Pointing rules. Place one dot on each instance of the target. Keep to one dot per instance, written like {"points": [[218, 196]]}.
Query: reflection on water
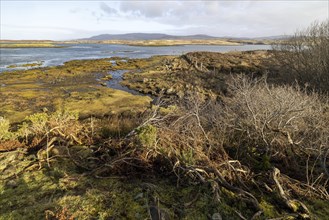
{"points": [[114, 83], [57, 56]]}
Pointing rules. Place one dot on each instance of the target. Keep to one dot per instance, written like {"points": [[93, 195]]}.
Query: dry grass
{"points": [[28, 45]]}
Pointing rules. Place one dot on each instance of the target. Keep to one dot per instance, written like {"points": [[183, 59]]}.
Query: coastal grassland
{"points": [[29, 45], [200, 71], [74, 85]]}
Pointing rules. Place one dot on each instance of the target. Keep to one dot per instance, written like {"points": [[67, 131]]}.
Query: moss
{"points": [[27, 192], [28, 197], [268, 209], [63, 190]]}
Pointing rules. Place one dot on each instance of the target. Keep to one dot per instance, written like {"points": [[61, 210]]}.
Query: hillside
{"points": [[147, 36]]}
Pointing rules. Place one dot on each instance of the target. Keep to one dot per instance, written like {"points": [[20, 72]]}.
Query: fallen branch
{"points": [[294, 205]]}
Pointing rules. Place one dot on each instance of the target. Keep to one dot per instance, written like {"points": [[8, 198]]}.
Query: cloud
{"points": [[107, 9], [217, 18], [147, 9], [75, 10], [235, 17]]}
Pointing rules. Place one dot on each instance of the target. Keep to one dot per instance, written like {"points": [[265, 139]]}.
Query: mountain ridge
{"points": [[148, 36], [159, 36]]}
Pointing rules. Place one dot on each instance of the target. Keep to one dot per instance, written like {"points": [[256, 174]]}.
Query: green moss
{"points": [[27, 197], [63, 190], [268, 209]]}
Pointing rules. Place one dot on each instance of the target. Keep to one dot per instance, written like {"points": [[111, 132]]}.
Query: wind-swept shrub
{"points": [[282, 124], [305, 56], [38, 123], [41, 129]]}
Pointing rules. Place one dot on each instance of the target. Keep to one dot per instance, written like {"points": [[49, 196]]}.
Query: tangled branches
{"points": [[230, 143]]}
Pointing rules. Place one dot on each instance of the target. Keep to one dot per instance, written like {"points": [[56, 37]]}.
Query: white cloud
{"points": [[231, 17], [107, 9], [217, 18]]}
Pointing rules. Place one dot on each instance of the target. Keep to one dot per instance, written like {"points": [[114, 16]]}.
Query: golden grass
{"points": [[28, 45]]}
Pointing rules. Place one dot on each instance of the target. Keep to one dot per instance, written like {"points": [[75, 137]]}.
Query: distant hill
{"points": [[277, 37], [147, 36]]}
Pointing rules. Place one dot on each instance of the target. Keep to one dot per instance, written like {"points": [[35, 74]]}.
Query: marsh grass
{"points": [[29, 45]]}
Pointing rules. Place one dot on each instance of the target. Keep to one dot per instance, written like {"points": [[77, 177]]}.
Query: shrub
{"points": [[62, 122], [305, 56], [281, 123], [147, 135], [39, 123], [5, 134]]}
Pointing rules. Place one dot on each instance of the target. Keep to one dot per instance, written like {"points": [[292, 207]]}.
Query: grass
{"points": [[69, 86], [34, 64], [29, 45]]}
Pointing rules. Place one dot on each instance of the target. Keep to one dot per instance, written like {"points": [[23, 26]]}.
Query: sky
{"points": [[65, 20]]}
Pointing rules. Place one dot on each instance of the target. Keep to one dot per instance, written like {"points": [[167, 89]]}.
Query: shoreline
{"points": [[142, 43]]}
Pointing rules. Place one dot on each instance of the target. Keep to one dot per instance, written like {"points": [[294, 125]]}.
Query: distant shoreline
{"points": [[29, 45], [144, 43], [180, 42]]}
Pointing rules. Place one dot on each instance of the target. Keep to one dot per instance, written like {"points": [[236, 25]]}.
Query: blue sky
{"points": [[62, 20]]}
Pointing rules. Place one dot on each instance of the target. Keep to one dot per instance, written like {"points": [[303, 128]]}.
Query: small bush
{"points": [[39, 123], [5, 134], [147, 135], [280, 123]]}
